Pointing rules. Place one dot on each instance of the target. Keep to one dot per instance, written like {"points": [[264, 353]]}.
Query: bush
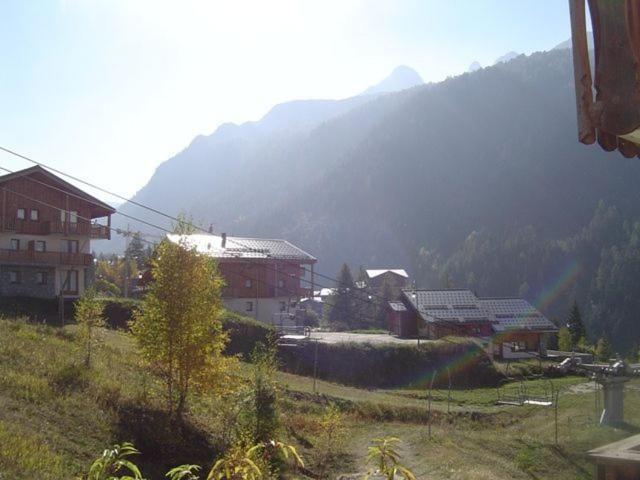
{"points": [[244, 333], [119, 311], [69, 378], [395, 365]]}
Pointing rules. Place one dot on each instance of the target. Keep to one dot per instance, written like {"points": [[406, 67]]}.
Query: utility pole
{"points": [[315, 367], [126, 262]]}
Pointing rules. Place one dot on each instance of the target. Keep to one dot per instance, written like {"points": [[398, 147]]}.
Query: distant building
{"points": [[519, 329], [512, 326], [618, 461], [396, 279], [439, 313], [264, 277], [46, 228]]}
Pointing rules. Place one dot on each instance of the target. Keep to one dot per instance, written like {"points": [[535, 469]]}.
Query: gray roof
{"points": [[243, 248], [446, 305], [373, 273], [398, 306], [515, 314]]}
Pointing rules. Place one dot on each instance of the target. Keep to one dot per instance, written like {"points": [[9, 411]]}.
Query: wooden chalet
{"points": [[265, 278], [46, 229]]}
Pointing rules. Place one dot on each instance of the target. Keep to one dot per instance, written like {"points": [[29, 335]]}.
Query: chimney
{"points": [[224, 240], [210, 228]]}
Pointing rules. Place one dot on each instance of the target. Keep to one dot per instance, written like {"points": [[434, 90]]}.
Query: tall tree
{"points": [[604, 350], [575, 325], [178, 329], [136, 251], [342, 310], [564, 340]]}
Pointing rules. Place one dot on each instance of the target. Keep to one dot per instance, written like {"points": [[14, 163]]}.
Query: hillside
{"points": [[56, 417], [404, 179]]}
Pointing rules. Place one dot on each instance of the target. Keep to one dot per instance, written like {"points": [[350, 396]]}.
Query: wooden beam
{"points": [[582, 72]]}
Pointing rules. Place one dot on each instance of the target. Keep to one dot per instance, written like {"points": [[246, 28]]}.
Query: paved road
{"points": [[341, 337]]}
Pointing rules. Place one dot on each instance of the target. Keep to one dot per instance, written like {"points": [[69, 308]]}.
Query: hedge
{"points": [[244, 333], [394, 365]]}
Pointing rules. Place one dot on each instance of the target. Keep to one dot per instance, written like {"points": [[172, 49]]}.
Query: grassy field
{"points": [[55, 417]]}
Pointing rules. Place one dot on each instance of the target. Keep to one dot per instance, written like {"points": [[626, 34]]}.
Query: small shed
{"points": [[618, 460], [400, 321]]}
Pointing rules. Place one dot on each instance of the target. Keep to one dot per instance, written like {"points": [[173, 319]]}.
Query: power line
{"points": [[139, 204], [256, 278], [179, 220]]}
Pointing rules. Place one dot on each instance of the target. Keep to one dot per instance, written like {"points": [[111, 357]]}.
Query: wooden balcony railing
{"points": [[264, 291], [30, 227], [31, 257]]}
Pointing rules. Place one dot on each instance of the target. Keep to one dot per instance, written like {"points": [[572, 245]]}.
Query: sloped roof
{"points": [[376, 272], [398, 306], [243, 248], [446, 305], [515, 314], [104, 208]]}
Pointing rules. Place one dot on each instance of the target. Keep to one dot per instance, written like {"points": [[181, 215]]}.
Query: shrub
{"points": [[244, 333], [69, 378]]}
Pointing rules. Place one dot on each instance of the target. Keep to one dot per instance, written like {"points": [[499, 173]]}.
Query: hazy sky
{"points": [[110, 89]]}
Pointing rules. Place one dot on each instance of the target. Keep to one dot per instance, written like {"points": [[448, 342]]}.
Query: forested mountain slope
{"points": [[407, 179]]}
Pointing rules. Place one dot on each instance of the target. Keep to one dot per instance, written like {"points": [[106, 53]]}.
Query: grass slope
{"points": [[55, 418]]}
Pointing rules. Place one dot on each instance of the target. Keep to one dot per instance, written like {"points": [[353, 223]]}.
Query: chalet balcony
{"points": [[29, 227], [31, 257], [264, 291]]}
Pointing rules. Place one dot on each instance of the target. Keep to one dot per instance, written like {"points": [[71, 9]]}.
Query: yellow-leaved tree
{"points": [[178, 327]]}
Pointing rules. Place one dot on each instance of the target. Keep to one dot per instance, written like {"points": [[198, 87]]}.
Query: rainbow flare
{"points": [[465, 357]]}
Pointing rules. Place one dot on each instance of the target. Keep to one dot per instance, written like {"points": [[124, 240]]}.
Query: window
{"points": [[69, 246], [283, 306], [14, 276], [280, 283], [34, 214], [247, 283], [70, 281], [20, 214], [15, 244], [249, 307], [41, 246], [41, 278], [71, 216]]}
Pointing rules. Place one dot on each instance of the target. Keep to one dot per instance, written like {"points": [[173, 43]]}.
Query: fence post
{"points": [[430, 388], [557, 394], [315, 367]]}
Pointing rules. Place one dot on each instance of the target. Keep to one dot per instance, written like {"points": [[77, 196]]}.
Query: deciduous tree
{"points": [[89, 316], [178, 329]]}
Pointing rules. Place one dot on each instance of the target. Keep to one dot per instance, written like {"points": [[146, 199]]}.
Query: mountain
{"points": [[401, 78], [479, 180], [506, 57], [567, 43], [474, 66]]}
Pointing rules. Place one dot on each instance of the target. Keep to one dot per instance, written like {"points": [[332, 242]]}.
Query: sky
{"points": [[109, 89]]}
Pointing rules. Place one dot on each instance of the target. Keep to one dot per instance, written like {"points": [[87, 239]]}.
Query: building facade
{"points": [[396, 279], [264, 278], [46, 229]]}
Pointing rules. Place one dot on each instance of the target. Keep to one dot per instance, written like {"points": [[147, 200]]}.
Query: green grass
{"points": [[54, 419]]}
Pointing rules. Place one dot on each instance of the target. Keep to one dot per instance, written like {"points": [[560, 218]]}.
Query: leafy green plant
{"points": [[330, 437], [384, 456], [254, 462], [183, 472], [113, 462]]}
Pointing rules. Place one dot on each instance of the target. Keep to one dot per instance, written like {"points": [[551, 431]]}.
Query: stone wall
{"points": [[28, 286]]}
